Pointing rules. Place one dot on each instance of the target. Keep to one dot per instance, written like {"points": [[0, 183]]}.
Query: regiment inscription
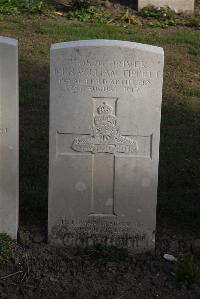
{"points": [[92, 75]]}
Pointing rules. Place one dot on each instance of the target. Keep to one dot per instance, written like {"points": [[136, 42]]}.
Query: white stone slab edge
{"points": [[105, 42], [13, 42], [9, 41]]}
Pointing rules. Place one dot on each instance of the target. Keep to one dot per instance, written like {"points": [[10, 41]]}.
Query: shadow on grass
{"points": [[34, 132], [179, 177], [178, 204]]}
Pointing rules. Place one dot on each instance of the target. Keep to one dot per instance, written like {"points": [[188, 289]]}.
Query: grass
{"points": [[193, 92], [186, 271], [16, 7], [132, 33], [179, 177], [6, 252]]}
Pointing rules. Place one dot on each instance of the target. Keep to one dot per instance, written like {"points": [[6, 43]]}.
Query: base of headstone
{"points": [[184, 6], [107, 231]]}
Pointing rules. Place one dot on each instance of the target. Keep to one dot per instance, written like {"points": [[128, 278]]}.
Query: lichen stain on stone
{"points": [[80, 186], [109, 202]]}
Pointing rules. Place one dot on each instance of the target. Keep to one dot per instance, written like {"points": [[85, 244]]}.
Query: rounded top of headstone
{"points": [[107, 43], [8, 40]]}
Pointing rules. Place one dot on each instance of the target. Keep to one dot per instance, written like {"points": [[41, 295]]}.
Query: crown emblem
{"points": [[104, 109], [105, 136]]}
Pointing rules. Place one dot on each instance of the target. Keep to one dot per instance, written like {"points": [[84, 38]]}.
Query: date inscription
{"points": [[90, 75]]}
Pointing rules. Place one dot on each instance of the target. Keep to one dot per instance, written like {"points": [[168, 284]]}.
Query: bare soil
{"points": [[41, 271]]}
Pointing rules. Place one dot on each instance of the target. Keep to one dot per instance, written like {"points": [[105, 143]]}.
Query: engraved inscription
{"points": [[104, 140], [92, 75], [106, 137], [103, 145], [3, 131], [89, 232]]}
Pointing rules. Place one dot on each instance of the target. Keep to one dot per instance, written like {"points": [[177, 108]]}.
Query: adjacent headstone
{"points": [[105, 109], [186, 6], [9, 136]]}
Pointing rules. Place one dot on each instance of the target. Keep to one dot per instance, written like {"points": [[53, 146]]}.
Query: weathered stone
{"points": [[186, 6], [8, 136], [169, 257], [105, 108]]}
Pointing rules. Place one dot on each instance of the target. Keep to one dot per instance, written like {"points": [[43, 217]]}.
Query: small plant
{"points": [[82, 4], [6, 252], [130, 18], [165, 16], [194, 21], [194, 51], [81, 15], [164, 24], [8, 7], [186, 271], [15, 7], [159, 13], [91, 14]]}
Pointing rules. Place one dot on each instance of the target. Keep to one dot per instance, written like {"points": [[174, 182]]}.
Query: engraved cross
{"points": [[103, 144]]}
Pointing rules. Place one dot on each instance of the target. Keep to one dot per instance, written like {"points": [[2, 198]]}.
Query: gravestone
{"points": [[105, 108], [186, 6], [9, 136]]}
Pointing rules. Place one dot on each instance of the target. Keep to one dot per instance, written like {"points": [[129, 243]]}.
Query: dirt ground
{"points": [[41, 271]]}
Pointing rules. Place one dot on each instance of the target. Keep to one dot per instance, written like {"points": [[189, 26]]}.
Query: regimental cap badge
{"points": [[104, 109]]}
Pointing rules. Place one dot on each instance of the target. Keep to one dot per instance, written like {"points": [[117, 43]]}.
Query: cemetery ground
{"points": [[34, 269]]}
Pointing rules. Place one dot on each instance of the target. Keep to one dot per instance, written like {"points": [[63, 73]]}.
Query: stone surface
{"points": [[186, 6], [9, 136], [169, 257], [105, 108]]}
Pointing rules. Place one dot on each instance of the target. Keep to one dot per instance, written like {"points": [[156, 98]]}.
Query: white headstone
{"points": [[186, 6], [105, 108], [9, 136]]}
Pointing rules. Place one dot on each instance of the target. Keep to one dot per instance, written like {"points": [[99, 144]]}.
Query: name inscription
{"points": [[91, 75]]}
